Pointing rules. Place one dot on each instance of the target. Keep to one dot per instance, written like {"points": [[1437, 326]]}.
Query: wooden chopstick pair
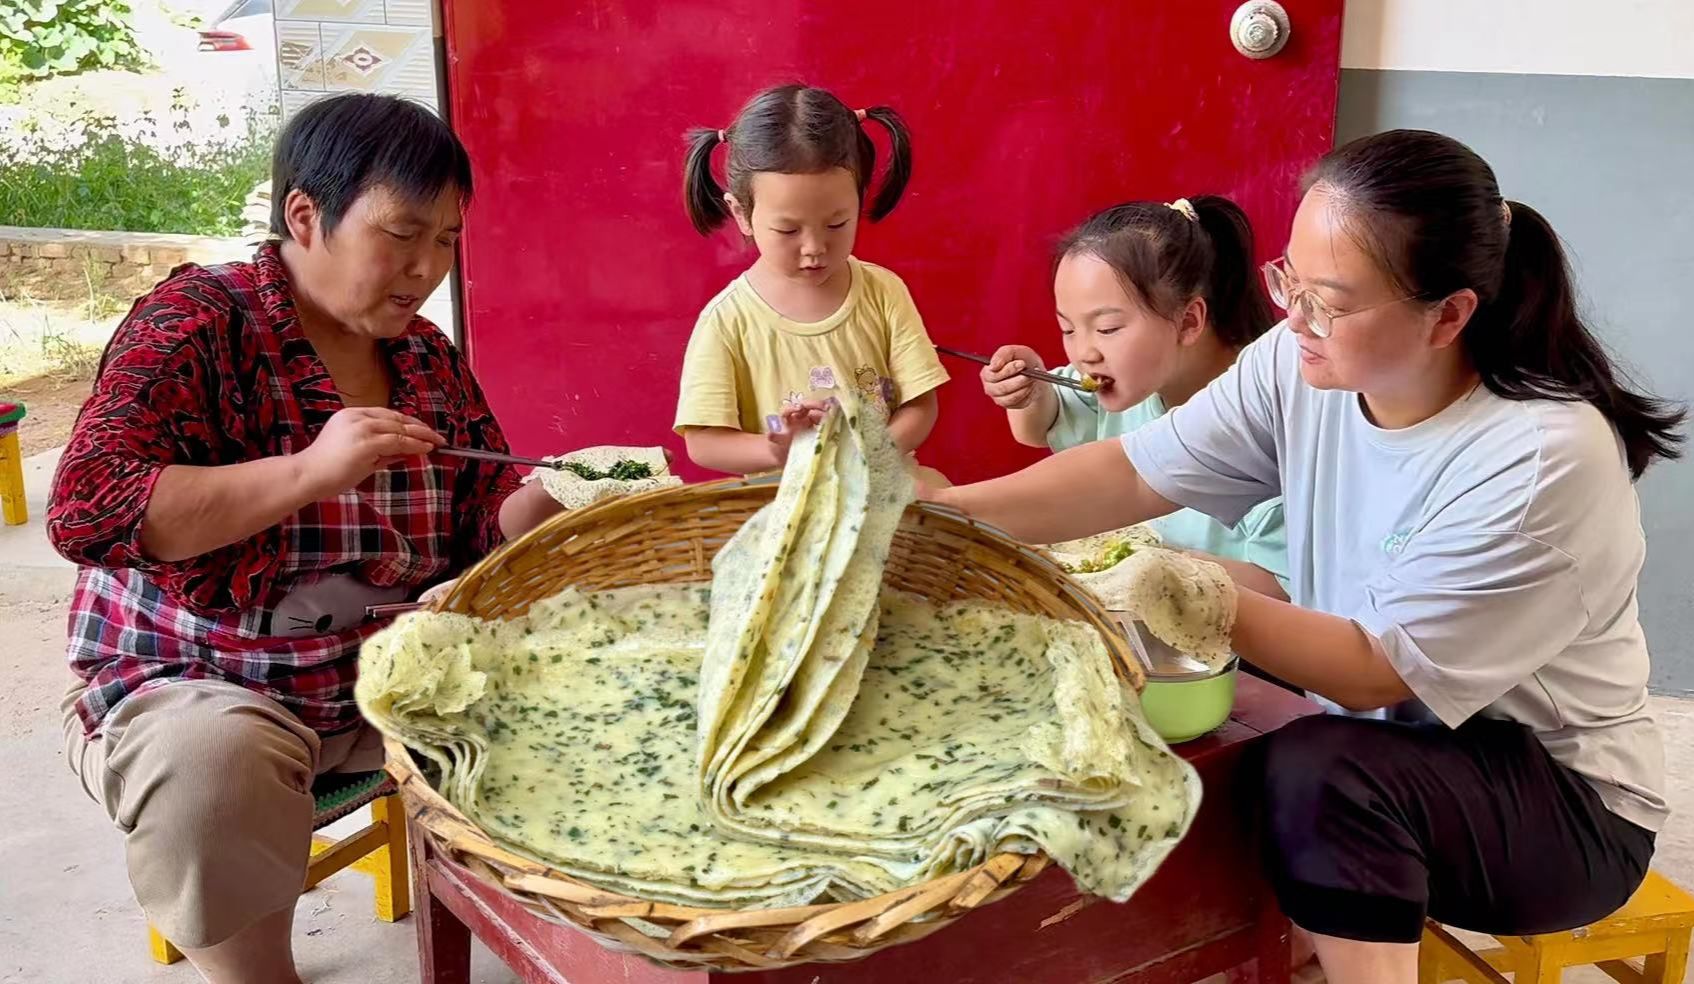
{"points": [[505, 459], [1085, 384]]}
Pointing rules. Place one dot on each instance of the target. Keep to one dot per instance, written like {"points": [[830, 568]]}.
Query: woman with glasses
{"points": [[1456, 455]]}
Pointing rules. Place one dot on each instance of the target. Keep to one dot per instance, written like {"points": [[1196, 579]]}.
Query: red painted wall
{"points": [[583, 277]]}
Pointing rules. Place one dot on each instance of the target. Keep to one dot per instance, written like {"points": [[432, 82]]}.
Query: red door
{"points": [[582, 277]]}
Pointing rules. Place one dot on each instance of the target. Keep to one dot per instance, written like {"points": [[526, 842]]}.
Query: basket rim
{"points": [[1118, 644], [428, 808]]}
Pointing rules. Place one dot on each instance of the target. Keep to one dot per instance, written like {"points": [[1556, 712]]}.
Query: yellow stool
{"points": [[14, 509], [378, 850], [1655, 924]]}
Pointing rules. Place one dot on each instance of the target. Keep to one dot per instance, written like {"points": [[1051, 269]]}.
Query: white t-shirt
{"points": [[1493, 549]]}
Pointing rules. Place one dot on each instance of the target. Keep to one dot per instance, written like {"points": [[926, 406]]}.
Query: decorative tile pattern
{"points": [[379, 59], [339, 11], [410, 13], [299, 55]]}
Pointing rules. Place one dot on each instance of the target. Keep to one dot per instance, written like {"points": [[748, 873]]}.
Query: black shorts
{"points": [[1372, 825]]}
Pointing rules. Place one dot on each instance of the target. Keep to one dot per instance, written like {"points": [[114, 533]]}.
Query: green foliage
{"points": [[39, 38], [121, 178]]}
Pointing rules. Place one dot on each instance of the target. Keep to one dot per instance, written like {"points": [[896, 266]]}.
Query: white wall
{"points": [[1642, 38]]}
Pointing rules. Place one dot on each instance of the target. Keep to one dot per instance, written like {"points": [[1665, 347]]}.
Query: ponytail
{"points": [[701, 196], [1167, 255], [1529, 343], [899, 161], [1238, 307], [1429, 211]]}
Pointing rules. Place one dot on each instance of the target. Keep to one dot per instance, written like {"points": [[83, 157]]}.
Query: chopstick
{"points": [[388, 611], [504, 459], [1041, 374]]}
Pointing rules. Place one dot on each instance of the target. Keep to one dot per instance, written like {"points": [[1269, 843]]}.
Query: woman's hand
{"points": [[360, 441], [1001, 379], [796, 420]]}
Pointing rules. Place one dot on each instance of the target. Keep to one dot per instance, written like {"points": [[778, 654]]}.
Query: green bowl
{"points": [[1182, 702], [1184, 709]]}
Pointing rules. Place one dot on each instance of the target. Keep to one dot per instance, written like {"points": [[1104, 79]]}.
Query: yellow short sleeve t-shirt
{"points": [[746, 362]]}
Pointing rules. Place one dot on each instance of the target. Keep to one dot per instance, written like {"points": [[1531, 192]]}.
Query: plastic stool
{"points": [[1655, 924], [14, 509]]}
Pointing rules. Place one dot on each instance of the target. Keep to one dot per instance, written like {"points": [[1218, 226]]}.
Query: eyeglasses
{"points": [[1287, 294]]}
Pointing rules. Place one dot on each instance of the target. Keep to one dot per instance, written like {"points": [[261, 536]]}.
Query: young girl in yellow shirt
{"points": [[808, 321]]}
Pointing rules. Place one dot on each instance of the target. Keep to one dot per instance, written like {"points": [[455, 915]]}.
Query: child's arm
{"points": [[736, 452], [912, 423], [1031, 407], [733, 452]]}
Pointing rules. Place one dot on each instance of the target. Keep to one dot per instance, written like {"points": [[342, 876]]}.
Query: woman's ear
{"points": [[300, 214], [1451, 316], [743, 218], [1191, 324]]}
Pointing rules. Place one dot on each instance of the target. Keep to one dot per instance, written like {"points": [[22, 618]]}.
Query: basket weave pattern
{"points": [[668, 537]]}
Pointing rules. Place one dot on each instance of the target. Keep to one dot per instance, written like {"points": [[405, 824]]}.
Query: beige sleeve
{"points": [[707, 397], [911, 355]]}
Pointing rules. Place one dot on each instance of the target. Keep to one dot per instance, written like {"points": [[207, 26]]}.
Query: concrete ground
{"points": [[66, 912]]}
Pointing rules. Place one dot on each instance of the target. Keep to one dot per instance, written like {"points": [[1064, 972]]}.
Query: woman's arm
{"points": [[525, 509], [1322, 653], [1080, 492], [194, 510], [911, 424], [1249, 576]]}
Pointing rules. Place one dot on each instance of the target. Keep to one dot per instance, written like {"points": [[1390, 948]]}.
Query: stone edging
{"points": [[61, 264]]}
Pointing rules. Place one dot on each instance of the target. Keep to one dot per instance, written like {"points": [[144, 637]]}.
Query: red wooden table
{"points": [[1208, 910]]}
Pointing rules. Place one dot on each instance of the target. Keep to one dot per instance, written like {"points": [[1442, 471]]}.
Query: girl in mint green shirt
{"points": [[1154, 301]]}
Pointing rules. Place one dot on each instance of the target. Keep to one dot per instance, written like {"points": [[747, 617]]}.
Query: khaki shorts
{"points": [[211, 785]]}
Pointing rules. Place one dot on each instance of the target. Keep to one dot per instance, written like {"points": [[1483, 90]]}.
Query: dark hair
{"points": [[1429, 212], [338, 148], [1168, 259], [793, 129]]}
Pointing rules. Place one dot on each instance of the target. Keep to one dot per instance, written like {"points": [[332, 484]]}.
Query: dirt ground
{"points": [[51, 405]]}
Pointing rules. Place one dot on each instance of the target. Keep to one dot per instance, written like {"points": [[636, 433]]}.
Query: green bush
{"points": [[39, 38], [117, 180]]}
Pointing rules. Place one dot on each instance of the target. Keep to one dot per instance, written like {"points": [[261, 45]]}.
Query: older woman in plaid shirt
{"points": [[252, 470]]}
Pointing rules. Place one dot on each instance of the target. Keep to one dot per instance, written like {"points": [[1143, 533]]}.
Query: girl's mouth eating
{"points": [[1097, 384]]}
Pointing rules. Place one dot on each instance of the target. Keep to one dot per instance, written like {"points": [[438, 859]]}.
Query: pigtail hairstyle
{"points": [[702, 198], [899, 172], [793, 129]]}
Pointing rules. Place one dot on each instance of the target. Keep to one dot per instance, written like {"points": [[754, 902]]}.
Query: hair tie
{"points": [[1506, 212], [1186, 207], [860, 114]]}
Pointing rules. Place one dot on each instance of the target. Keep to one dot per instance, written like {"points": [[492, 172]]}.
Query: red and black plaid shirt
{"points": [[211, 368]]}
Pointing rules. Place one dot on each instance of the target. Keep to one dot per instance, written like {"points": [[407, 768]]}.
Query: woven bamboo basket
{"points": [[670, 536]]}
